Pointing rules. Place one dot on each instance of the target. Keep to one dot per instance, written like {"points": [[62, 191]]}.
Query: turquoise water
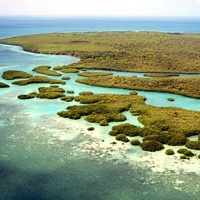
{"points": [[45, 157]]}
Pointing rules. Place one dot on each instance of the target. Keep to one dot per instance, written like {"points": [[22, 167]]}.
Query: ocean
{"points": [[14, 26], [45, 157]]}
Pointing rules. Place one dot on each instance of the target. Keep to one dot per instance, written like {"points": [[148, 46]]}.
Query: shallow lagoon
{"points": [[44, 156]]}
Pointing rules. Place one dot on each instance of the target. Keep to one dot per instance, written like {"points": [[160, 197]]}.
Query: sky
{"points": [[100, 8]]}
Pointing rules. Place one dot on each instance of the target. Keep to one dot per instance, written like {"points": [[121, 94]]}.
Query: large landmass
{"points": [[123, 51]]}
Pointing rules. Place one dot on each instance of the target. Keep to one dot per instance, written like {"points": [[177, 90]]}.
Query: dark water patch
{"points": [[87, 178]]}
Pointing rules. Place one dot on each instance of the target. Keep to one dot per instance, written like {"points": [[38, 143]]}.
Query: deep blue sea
{"points": [[45, 157], [14, 26]]}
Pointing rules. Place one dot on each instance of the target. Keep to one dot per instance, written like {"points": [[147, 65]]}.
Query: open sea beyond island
{"points": [[46, 157]]}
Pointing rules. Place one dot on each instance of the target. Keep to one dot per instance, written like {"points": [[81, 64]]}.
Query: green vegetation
{"points": [[38, 79], [147, 52], [168, 138], [3, 85], [193, 144], [91, 74], [67, 98], [86, 93], [183, 157], [160, 75], [46, 70], [135, 142], [103, 123], [26, 96], [187, 86], [65, 78], [69, 70], [90, 128], [151, 145], [169, 152], [100, 108], [133, 93], [122, 137], [186, 152], [14, 74], [171, 99], [170, 126], [70, 91], [125, 51], [52, 92], [170, 121], [126, 129]]}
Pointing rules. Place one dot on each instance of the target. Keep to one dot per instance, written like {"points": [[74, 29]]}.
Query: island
{"points": [[161, 56]]}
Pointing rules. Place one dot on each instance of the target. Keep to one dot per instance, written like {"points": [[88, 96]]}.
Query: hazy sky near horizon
{"points": [[100, 7]]}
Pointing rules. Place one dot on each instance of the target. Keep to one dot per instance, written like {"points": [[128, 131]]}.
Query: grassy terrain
{"points": [[52, 92], [159, 75], [124, 51], [89, 74], [15, 74], [38, 79], [46, 70], [187, 86]]}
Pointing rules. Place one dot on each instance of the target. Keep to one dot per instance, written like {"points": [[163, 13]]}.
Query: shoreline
{"points": [[100, 145]]}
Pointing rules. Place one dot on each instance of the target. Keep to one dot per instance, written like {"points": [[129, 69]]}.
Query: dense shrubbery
{"points": [[183, 157], [90, 128], [88, 99], [171, 99], [109, 117], [169, 152], [133, 93], [67, 98], [122, 137], [26, 96], [186, 152], [14, 74], [135, 142], [65, 78], [46, 70], [151, 145], [109, 108], [125, 51], [193, 145], [69, 70], [103, 122], [51, 89], [50, 95], [3, 85], [167, 138], [52, 92], [159, 75], [86, 93], [38, 79], [70, 91], [89, 74], [127, 129], [187, 86]]}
